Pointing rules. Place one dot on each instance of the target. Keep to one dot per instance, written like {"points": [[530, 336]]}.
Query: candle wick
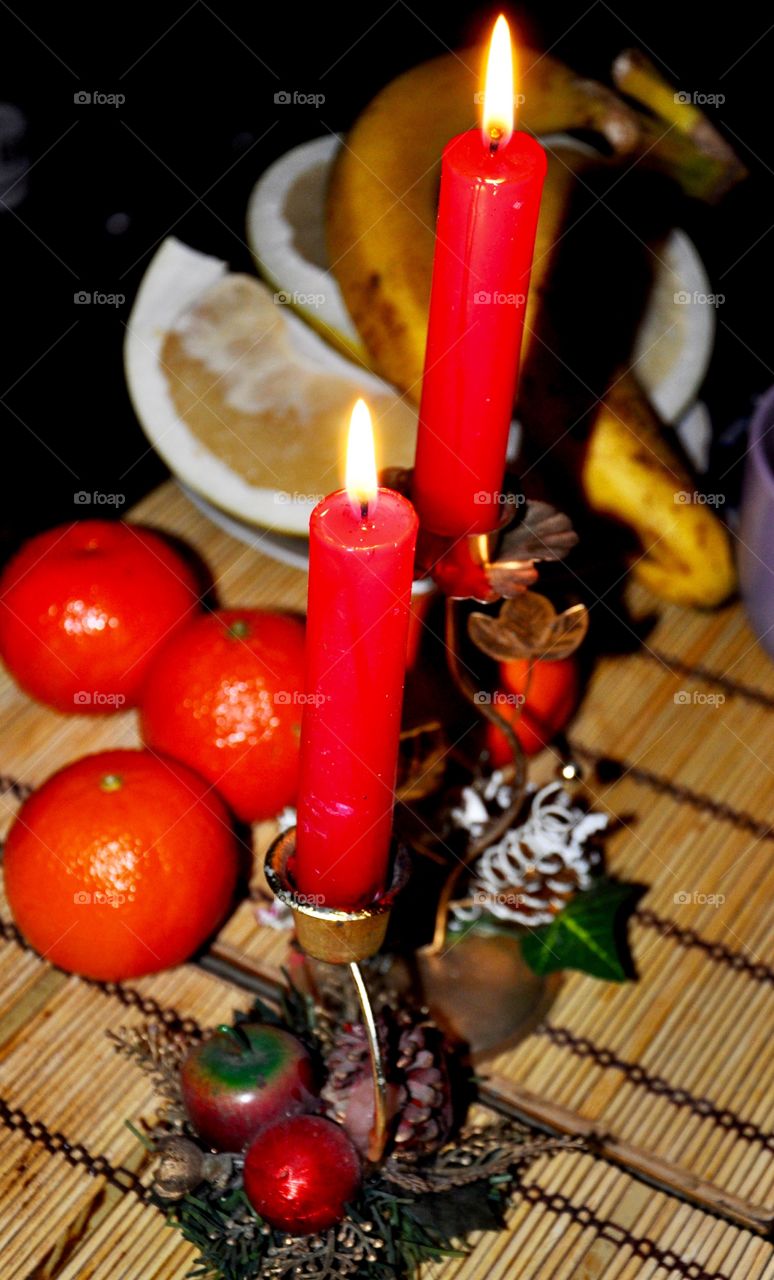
{"points": [[495, 135], [363, 510]]}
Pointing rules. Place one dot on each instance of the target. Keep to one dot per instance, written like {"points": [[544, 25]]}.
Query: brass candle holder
{"points": [[486, 567], [336, 936]]}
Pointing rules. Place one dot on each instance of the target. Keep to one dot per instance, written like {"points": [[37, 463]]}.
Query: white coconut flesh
{"points": [[243, 401], [286, 233]]}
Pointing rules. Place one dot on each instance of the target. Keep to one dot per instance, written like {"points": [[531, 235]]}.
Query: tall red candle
{"points": [[491, 183], [361, 560]]}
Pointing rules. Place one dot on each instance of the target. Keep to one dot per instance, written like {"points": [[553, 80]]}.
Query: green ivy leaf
{"points": [[587, 935]]}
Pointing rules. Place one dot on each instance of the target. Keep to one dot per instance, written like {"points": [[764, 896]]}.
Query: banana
{"points": [[380, 226], [690, 148], [629, 473]]}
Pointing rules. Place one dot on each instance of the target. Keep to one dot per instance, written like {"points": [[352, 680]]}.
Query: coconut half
{"points": [[242, 400], [286, 234]]}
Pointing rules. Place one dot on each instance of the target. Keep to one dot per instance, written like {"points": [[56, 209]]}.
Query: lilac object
{"points": [[756, 530]]}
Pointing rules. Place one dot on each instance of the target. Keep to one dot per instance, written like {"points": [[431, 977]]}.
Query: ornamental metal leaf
{"points": [[567, 633], [521, 627], [529, 627], [509, 577], [543, 534]]}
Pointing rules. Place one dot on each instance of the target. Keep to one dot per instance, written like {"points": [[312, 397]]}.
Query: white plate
{"points": [[286, 548]]}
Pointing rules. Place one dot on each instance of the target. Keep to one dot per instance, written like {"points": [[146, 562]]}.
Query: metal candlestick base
{"points": [[481, 992], [331, 934], [340, 937]]}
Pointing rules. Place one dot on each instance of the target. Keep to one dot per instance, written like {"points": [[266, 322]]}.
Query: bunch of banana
{"points": [[380, 227]]}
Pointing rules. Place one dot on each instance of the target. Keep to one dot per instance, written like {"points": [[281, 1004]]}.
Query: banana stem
{"points": [[692, 151], [637, 76]]}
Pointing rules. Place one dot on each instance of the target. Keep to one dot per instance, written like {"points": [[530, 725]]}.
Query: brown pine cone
{"points": [[418, 1091], [426, 1104]]}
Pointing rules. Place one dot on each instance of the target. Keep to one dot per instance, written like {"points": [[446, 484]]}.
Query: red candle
{"points": [[361, 560], [491, 183]]}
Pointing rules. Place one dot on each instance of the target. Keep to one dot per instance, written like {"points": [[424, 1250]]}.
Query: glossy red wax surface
{"points": [[485, 238], [360, 573]]}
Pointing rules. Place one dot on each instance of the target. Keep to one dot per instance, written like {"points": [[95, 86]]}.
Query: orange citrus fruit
{"points": [[225, 696], [537, 709], [120, 864], [84, 606]]}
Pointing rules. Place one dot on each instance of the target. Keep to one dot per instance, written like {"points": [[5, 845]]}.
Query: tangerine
{"points": [[120, 864], [225, 696], [83, 608]]}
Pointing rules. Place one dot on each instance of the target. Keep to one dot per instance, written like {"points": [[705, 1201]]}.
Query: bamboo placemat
{"points": [[678, 1064]]}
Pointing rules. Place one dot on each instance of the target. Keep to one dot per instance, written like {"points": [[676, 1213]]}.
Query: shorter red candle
{"points": [[361, 559]]}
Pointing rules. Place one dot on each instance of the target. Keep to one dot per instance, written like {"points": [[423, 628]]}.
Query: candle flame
{"points": [[497, 124], [361, 481]]}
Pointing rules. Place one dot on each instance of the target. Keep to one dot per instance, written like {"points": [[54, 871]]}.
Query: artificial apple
{"points": [[243, 1077]]}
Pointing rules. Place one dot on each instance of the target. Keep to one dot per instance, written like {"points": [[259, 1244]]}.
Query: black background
{"points": [[198, 126]]}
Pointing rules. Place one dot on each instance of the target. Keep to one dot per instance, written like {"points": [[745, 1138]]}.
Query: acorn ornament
{"points": [[183, 1166]]}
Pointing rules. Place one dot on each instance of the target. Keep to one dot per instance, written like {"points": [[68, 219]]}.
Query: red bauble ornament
{"points": [[300, 1174]]}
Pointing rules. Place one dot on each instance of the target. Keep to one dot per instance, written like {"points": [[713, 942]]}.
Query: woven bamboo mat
{"points": [[678, 1064]]}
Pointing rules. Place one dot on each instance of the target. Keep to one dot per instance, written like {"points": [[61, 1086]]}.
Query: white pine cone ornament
{"points": [[538, 866]]}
